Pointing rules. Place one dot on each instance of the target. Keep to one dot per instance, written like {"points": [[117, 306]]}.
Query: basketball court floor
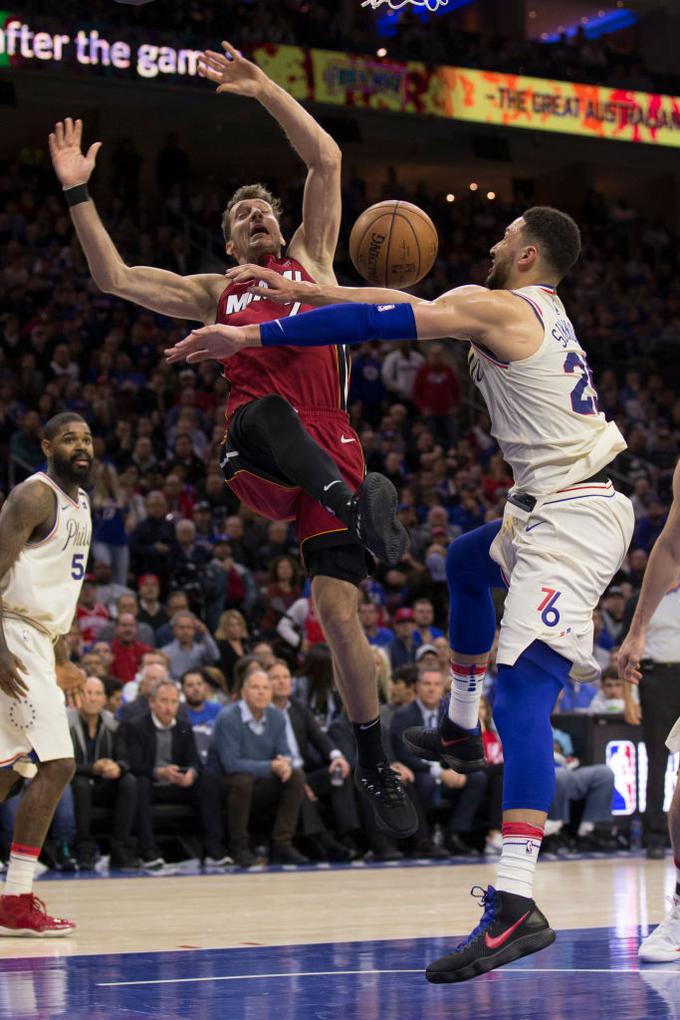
{"points": [[338, 943]]}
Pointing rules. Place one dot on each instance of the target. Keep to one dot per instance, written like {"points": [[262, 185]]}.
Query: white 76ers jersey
{"points": [[45, 581], [543, 409]]}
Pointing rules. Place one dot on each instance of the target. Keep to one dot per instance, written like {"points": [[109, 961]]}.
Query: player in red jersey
{"points": [[289, 451]]}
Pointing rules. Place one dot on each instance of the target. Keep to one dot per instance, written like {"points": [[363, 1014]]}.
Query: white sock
{"points": [[521, 843], [21, 869], [552, 827], [466, 691], [585, 828]]}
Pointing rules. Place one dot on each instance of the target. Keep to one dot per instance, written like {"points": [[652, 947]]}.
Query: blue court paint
{"points": [[586, 973]]}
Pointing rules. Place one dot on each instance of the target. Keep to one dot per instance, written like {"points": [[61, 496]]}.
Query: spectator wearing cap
{"points": [[368, 618], [127, 650], [427, 658], [401, 649], [90, 614], [425, 632], [151, 610], [193, 646], [152, 541], [225, 583]]}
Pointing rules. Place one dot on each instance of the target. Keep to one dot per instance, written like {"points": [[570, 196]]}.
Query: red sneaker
{"points": [[26, 916]]}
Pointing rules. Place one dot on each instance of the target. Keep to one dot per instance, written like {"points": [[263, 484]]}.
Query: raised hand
{"points": [[278, 289], [70, 165], [231, 72], [210, 343]]}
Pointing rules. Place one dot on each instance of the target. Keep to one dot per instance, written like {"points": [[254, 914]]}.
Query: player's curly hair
{"points": [[556, 234], [249, 191]]}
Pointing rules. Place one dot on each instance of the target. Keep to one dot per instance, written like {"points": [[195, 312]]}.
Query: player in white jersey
{"points": [[45, 535], [661, 575], [564, 532]]}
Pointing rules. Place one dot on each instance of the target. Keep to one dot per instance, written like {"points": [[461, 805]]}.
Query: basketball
{"points": [[393, 244]]}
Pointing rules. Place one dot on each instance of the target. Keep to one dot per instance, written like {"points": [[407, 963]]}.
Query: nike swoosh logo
{"points": [[450, 743], [327, 487], [536, 525], [495, 941], [347, 439]]}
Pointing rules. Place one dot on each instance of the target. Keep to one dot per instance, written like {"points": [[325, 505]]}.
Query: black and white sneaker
{"points": [[381, 787], [512, 926], [450, 745], [374, 519]]}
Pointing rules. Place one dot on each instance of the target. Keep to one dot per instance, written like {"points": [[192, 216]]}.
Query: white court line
{"points": [[338, 973]]}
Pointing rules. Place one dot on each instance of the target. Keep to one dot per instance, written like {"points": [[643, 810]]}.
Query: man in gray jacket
{"points": [[250, 756], [102, 777]]}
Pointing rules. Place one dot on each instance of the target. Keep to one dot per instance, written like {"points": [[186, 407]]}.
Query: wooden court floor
{"points": [[338, 944]]}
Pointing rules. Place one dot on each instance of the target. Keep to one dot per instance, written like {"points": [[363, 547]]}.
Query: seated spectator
{"points": [[127, 603], [91, 615], [165, 761], [193, 646], [383, 673], [444, 653], [152, 541], [200, 711], [250, 756], [232, 641], [435, 786], [127, 650], [402, 692], [107, 589], [102, 777], [264, 653], [575, 696], [325, 767], [151, 610], [279, 543], [225, 583], [114, 694], [281, 592], [103, 650], [423, 614], [609, 700], [368, 618], [151, 675], [427, 658], [593, 784], [602, 640], [176, 602], [316, 685], [402, 648], [613, 606], [189, 561]]}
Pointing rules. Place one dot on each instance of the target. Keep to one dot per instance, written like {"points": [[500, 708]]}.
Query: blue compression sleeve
{"points": [[341, 324]]}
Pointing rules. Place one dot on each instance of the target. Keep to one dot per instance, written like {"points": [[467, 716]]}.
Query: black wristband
{"points": [[77, 194]]}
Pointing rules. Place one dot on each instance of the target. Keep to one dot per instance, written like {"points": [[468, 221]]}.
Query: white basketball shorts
{"points": [[38, 722], [557, 561]]}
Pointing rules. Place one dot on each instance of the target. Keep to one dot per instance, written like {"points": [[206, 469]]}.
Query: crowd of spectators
{"points": [[188, 588], [326, 24]]}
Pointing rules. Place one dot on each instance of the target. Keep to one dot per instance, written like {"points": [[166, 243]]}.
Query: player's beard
{"points": [[497, 278], [65, 468]]}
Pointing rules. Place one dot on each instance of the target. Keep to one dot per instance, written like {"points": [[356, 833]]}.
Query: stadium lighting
{"points": [[450, 197], [491, 195], [382, 52], [473, 186]]}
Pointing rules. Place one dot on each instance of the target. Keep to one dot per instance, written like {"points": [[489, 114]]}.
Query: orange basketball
{"points": [[393, 244]]}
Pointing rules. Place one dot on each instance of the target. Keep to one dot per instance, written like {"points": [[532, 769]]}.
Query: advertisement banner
{"points": [[341, 79]]}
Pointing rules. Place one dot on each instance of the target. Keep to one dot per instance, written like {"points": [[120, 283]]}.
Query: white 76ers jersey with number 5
{"points": [[543, 409]]}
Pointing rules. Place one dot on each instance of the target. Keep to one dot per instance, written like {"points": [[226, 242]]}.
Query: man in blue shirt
{"points": [[249, 754], [201, 712], [368, 617]]}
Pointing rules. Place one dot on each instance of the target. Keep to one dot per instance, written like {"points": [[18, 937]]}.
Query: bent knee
{"points": [[60, 771]]}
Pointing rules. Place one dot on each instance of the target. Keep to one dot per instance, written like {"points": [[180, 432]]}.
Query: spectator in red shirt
{"points": [[127, 650], [436, 393], [90, 614]]}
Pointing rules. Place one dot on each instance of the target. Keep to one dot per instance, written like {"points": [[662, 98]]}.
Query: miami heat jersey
{"points": [[306, 376], [544, 408], [45, 581]]}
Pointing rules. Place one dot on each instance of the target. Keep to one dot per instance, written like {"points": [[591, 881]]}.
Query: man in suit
{"points": [[165, 760], [102, 776], [250, 756], [434, 785], [325, 767]]}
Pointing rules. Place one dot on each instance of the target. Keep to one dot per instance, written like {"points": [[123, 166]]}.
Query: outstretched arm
{"points": [[497, 319], [663, 571], [184, 297], [315, 240]]}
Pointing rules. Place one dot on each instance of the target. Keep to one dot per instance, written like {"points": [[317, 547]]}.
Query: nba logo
{"points": [[622, 760]]}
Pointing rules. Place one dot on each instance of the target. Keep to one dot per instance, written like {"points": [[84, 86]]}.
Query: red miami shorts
{"points": [[273, 497]]}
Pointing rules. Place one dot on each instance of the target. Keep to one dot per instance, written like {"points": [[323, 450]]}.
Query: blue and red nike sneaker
{"points": [[511, 926]]}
